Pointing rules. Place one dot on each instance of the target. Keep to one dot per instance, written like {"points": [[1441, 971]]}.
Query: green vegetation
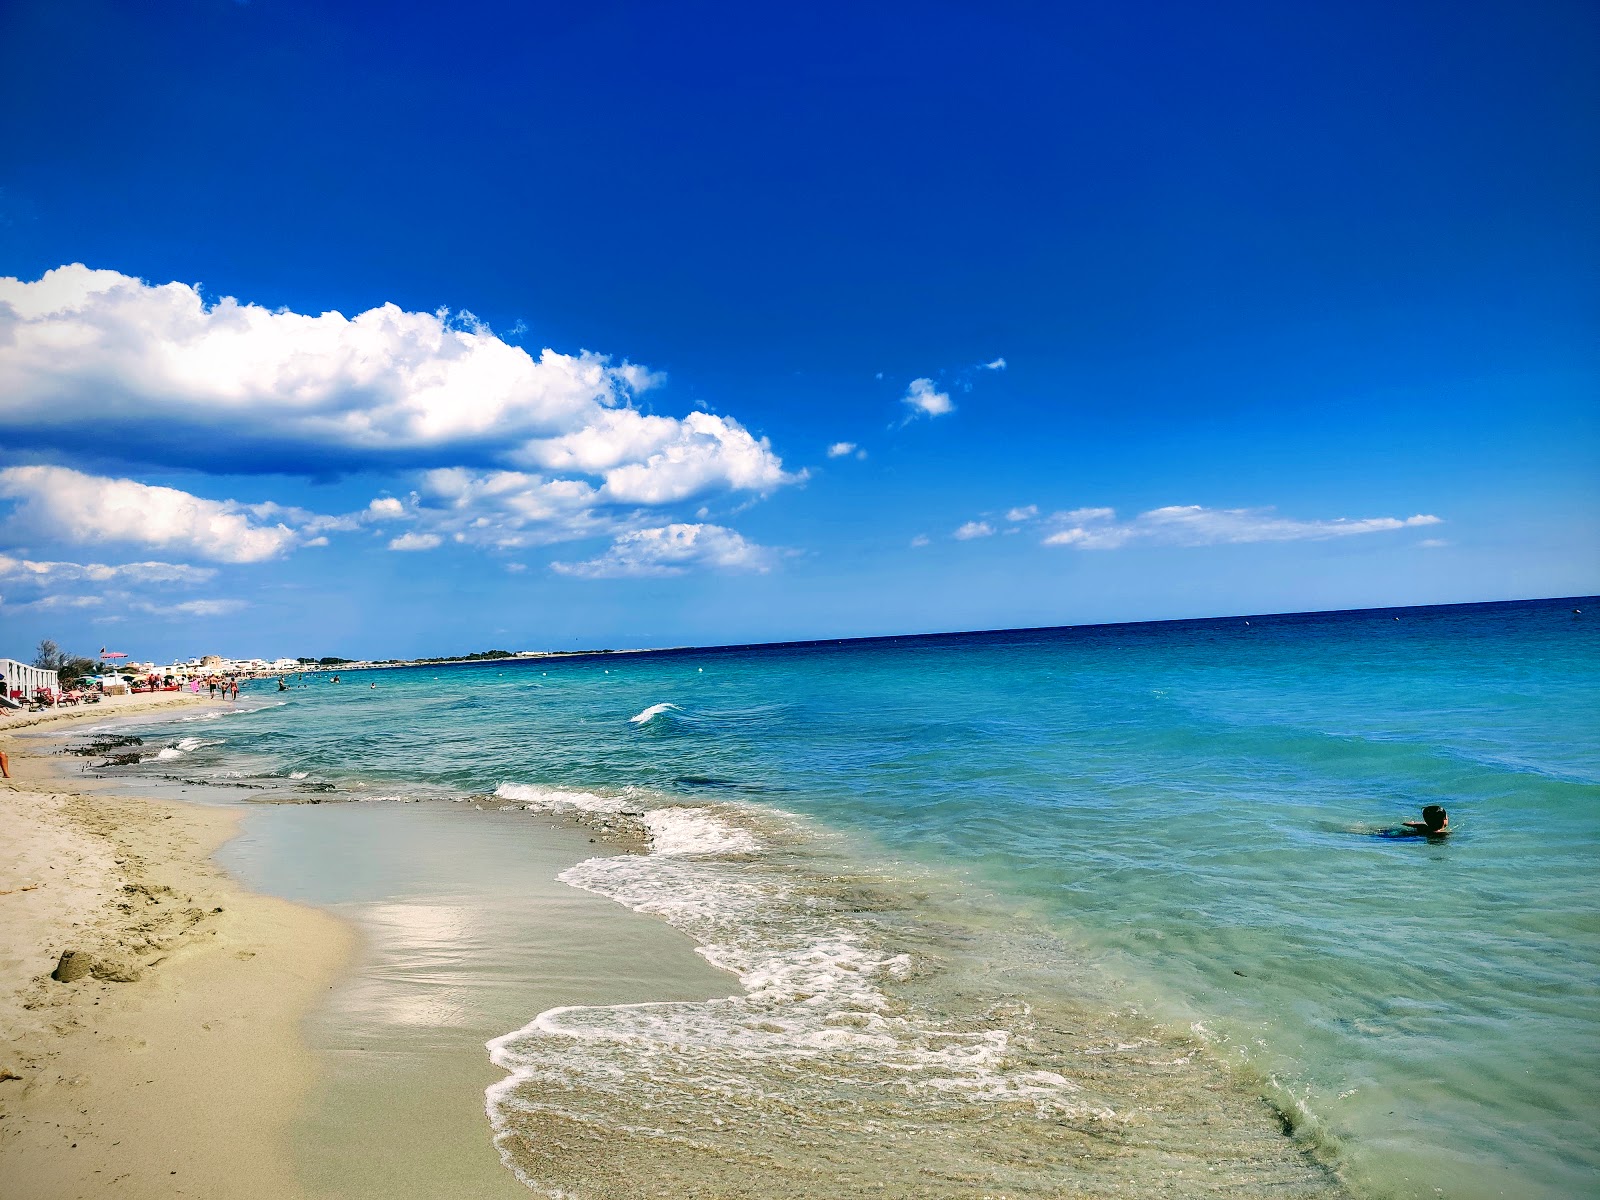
{"points": [[71, 667], [478, 656]]}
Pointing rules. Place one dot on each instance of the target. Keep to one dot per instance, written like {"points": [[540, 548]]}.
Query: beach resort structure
{"points": [[22, 680]]}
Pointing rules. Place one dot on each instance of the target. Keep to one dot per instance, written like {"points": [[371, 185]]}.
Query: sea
{"points": [[1082, 911]]}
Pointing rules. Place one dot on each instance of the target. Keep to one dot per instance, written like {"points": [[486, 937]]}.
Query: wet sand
{"points": [[287, 1000], [466, 935], [176, 1064]]}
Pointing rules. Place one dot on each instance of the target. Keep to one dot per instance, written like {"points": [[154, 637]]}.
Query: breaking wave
{"points": [[651, 713]]}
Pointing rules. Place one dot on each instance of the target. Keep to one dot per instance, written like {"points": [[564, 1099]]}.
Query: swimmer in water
{"points": [[1435, 822]]}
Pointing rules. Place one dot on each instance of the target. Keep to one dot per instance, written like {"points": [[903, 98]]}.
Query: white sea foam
{"points": [[815, 1022], [561, 800], [651, 713], [681, 831], [166, 753], [298, 774]]}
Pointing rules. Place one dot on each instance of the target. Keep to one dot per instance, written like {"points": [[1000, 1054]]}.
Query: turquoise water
{"points": [[910, 850]]}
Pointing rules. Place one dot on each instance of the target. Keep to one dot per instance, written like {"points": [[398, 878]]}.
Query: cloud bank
{"points": [[1194, 525], [159, 369], [76, 507], [671, 550], [509, 449]]}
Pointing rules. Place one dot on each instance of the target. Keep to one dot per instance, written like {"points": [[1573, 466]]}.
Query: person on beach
{"points": [[5, 765]]}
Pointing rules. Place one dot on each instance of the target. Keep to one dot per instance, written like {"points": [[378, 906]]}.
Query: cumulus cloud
{"points": [[89, 508], [998, 364], [672, 550], [926, 400], [840, 449], [163, 375], [508, 510], [703, 452], [385, 508], [920, 540], [973, 529], [1195, 525], [1023, 513]]}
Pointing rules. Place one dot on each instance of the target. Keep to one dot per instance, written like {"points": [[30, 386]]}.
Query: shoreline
{"points": [[177, 1064]]}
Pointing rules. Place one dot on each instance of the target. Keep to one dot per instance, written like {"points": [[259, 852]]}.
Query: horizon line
{"points": [[530, 656]]}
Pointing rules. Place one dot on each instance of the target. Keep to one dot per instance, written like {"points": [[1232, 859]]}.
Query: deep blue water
{"points": [[1189, 808]]}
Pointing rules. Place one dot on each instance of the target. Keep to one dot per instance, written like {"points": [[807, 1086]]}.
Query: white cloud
{"points": [[135, 574], [1076, 516], [671, 550], [702, 453], [1433, 543], [89, 508], [385, 508], [53, 602], [920, 540], [415, 541], [840, 449], [973, 529], [192, 608], [925, 399], [1023, 513], [164, 377], [509, 509], [1195, 525], [998, 364]]}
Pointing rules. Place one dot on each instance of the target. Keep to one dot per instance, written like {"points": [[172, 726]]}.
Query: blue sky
{"points": [[1123, 311]]}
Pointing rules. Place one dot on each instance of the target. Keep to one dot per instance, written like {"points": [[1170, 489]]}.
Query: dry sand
{"points": [[175, 1067]]}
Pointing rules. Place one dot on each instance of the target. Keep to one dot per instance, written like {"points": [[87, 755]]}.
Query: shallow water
{"points": [[981, 899]]}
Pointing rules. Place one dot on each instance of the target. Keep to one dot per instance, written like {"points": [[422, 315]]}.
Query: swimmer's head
{"points": [[1434, 817]]}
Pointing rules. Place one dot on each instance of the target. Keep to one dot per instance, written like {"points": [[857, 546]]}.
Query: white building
{"points": [[22, 681]]}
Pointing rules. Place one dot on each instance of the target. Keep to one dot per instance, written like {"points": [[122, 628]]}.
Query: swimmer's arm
{"points": [[1420, 827]]}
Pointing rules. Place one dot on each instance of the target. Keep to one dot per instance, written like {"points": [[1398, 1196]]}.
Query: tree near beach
{"points": [[70, 667]]}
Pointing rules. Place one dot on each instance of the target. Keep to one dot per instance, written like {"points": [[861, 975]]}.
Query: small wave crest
{"points": [[535, 798], [651, 713]]}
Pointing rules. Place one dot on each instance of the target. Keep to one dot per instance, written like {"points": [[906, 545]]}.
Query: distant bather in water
{"points": [[1435, 823]]}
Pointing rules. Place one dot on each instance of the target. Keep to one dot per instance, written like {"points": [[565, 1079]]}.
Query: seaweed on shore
{"points": [[103, 744]]}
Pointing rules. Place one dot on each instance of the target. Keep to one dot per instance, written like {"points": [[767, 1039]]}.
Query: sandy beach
{"points": [[174, 1065]]}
